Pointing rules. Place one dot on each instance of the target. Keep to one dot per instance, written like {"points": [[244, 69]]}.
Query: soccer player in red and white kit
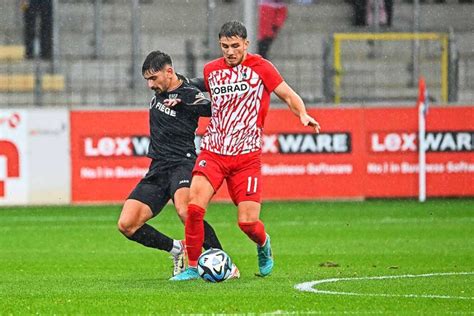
{"points": [[240, 85]]}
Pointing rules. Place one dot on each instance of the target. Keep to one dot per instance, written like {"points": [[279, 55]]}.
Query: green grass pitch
{"points": [[72, 260]]}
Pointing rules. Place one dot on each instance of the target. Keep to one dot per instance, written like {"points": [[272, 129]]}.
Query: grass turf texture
{"points": [[73, 260]]}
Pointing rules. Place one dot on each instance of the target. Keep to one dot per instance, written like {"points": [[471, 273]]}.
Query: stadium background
{"points": [[77, 120], [74, 133]]}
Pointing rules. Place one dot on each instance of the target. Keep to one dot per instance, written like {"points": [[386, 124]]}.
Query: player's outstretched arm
{"points": [[296, 105], [200, 104]]}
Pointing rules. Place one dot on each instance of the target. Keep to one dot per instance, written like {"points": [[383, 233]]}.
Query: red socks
{"points": [[194, 231], [255, 231]]}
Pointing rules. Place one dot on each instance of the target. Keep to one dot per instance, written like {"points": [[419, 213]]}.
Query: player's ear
{"points": [[170, 71]]}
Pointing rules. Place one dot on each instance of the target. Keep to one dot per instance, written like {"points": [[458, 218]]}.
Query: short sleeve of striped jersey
{"points": [[270, 76]]}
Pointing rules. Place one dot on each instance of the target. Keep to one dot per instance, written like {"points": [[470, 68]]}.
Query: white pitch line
{"points": [[308, 286]]}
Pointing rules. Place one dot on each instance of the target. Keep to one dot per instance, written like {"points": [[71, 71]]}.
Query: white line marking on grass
{"points": [[308, 286]]}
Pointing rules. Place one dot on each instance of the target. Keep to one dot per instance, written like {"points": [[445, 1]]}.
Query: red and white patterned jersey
{"points": [[240, 98]]}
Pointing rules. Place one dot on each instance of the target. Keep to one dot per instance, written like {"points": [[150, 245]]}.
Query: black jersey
{"points": [[172, 130]]}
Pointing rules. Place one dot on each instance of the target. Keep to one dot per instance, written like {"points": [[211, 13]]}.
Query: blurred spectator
{"points": [[424, 1], [382, 18], [272, 17], [364, 9], [441, 1], [359, 8], [32, 10], [389, 10]]}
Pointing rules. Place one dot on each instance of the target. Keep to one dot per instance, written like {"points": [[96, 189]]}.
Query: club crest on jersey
{"points": [[173, 96], [233, 88], [199, 98], [202, 163]]}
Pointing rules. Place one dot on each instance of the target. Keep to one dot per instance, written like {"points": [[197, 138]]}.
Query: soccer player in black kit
{"points": [[173, 153]]}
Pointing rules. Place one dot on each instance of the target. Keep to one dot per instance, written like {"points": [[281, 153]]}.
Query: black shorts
{"points": [[161, 182]]}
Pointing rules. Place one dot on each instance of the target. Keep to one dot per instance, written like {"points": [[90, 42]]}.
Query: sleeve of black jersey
{"points": [[196, 82], [197, 102]]}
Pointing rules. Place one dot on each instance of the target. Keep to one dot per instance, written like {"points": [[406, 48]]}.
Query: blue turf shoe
{"points": [[265, 258], [188, 274]]}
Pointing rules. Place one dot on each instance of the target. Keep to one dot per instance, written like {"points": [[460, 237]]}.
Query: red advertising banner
{"points": [[298, 164], [108, 154], [360, 153], [392, 152]]}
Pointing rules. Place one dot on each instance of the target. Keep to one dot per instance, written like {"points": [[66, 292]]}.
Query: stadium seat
{"points": [[26, 82], [12, 52]]}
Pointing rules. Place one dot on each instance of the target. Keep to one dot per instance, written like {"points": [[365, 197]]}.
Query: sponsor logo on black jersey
{"points": [[334, 143], [155, 104], [436, 141], [238, 88], [116, 146]]}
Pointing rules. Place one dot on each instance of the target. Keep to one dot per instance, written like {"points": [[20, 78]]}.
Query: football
{"points": [[214, 265]]}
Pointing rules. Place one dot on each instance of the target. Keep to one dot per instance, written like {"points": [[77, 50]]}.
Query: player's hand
{"points": [[307, 120], [171, 102]]}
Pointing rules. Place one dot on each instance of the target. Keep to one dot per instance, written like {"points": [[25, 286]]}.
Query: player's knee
{"points": [[127, 227], [182, 213], [193, 197], [200, 193]]}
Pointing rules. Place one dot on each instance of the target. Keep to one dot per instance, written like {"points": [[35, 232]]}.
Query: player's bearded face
{"points": [[234, 49], [158, 81]]}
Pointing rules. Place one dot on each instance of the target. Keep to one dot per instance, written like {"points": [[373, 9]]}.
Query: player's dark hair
{"points": [[156, 61], [233, 28]]}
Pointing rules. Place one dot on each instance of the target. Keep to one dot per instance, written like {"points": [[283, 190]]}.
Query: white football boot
{"points": [[179, 261], [234, 273]]}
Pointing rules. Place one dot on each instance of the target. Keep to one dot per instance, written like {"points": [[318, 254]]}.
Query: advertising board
{"points": [[34, 157], [360, 153], [13, 157]]}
